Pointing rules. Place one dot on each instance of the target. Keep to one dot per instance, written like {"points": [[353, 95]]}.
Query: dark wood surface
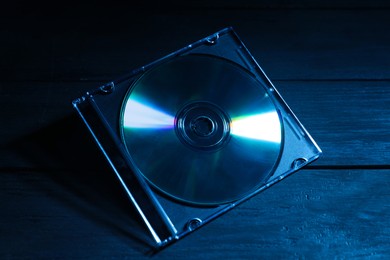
{"points": [[330, 61]]}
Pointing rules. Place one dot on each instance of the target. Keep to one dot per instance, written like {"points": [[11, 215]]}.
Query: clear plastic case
{"points": [[167, 218]]}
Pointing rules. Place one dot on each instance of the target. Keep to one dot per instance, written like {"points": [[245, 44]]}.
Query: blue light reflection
{"points": [[265, 127], [138, 115]]}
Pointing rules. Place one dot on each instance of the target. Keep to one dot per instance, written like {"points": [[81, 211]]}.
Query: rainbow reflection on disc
{"points": [[201, 129]]}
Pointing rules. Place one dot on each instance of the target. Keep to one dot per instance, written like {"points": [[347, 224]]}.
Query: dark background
{"points": [[330, 60]]}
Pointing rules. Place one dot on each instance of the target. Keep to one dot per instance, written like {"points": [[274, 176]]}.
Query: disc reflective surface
{"points": [[201, 129]]}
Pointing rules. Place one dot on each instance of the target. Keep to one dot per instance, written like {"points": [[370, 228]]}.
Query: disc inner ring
{"points": [[203, 126]]}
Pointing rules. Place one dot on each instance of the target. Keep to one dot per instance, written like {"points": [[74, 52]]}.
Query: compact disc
{"points": [[201, 129]]}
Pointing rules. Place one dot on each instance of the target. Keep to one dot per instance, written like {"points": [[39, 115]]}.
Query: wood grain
{"points": [[309, 215], [288, 44]]}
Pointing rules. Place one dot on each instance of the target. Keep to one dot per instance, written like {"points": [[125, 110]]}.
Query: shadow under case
{"points": [[194, 134]]}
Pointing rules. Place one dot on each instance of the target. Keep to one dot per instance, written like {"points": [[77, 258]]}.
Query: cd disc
{"points": [[201, 129]]}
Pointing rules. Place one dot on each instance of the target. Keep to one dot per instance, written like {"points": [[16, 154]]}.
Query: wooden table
{"points": [[330, 61]]}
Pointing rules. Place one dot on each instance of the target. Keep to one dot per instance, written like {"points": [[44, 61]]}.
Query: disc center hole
{"points": [[202, 126]]}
